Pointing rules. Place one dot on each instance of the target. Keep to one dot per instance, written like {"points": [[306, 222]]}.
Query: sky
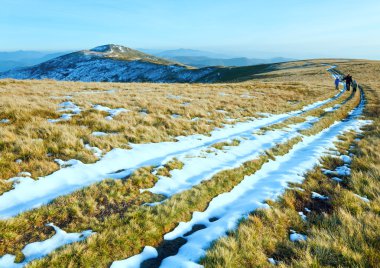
{"points": [[251, 28]]}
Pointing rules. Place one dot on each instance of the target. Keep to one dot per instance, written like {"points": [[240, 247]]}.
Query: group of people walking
{"points": [[348, 82]]}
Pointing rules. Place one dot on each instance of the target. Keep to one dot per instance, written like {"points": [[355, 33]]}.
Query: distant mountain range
{"points": [[115, 63], [233, 62], [182, 52], [18, 59], [198, 58], [191, 57]]}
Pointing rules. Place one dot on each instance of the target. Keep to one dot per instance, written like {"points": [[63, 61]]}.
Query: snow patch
{"points": [[175, 116], [336, 179], [99, 134], [95, 150], [247, 96], [343, 171], [273, 261], [111, 112], [90, 92], [302, 215], [174, 97], [37, 250], [61, 97], [69, 106], [18, 181], [316, 195], [103, 48], [264, 114], [134, 261], [297, 189], [66, 106], [24, 174], [296, 237], [68, 163], [363, 198], [331, 109], [224, 94], [346, 159], [339, 171]]}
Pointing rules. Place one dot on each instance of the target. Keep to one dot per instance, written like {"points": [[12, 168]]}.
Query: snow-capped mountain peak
{"points": [[125, 53]]}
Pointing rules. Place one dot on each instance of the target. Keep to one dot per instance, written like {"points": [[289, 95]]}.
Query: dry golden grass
{"points": [[29, 104], [343, 232], [125, 236], [146, 225], [113, 208]]}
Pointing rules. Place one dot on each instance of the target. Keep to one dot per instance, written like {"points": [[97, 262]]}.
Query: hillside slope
{"points": [[114, 63], [110, 63]]}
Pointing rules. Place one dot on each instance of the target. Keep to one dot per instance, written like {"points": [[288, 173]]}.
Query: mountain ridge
{"points": [[125, 53], [114, 63], [110, 63]]}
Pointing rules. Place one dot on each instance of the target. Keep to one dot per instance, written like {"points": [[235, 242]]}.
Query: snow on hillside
{"points": [[109, 63]]}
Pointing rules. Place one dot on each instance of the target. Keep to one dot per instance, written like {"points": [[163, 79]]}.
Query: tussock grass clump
{"points": [[221, 145], [169, 166]]}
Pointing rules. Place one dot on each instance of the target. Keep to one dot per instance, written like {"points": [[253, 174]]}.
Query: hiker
{"points": [[354, 85], [348, 79], [337, 80]]}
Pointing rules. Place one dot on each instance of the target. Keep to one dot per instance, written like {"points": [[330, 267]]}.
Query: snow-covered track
{"points": [[269, 182], [32, 194]]}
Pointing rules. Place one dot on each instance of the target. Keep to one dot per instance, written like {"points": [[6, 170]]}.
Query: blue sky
{"points": [[254, 28]]}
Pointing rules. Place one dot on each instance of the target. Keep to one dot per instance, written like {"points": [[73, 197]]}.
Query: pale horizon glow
{"points": [[251, 28]]}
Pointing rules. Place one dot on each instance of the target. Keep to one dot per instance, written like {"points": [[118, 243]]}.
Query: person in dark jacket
{"points": [[354, 85], [348, 79], [337, 80]]}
